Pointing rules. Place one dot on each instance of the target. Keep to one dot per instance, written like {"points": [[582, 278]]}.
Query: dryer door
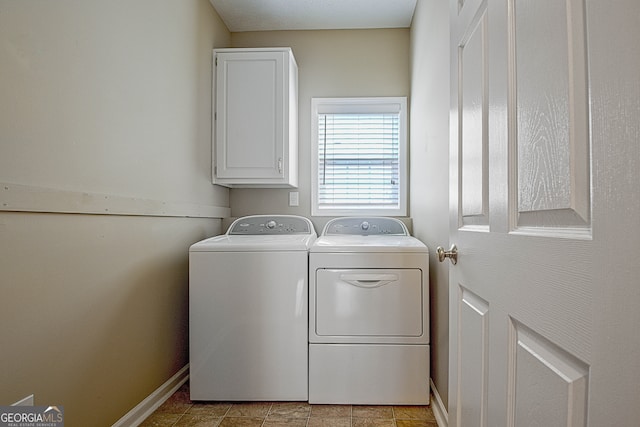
{"points": [[369, 303]]}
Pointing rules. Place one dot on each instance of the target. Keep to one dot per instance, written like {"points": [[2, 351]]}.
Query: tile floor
{"points": [[178, 410]]}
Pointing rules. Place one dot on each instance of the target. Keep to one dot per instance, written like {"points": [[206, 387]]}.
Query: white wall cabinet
{"points": [[255, 118]]}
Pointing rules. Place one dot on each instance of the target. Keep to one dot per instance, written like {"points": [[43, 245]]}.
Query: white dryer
{"points": [[248, 316], [368, 314]]}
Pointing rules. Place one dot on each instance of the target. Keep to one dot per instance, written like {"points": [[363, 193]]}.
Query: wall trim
{"points": [[145, 408], [30, 198], [439, 410], [25, 401]]}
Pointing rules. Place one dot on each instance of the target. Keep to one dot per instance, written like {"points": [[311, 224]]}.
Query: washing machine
{"points": [[368, 314], [248, 312]]}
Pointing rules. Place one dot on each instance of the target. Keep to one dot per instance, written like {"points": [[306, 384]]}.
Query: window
{"points": [[359, 156]]}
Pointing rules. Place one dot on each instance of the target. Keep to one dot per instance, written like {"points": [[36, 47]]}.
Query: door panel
{"points": [[547, 386], [473, 124], [549, 93], [250, 83], [473, 344]]}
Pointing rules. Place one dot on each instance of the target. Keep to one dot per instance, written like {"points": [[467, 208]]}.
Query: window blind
{"points": [[358, 160]]}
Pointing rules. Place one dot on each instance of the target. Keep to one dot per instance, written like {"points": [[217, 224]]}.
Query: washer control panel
{"points": [[366, 226], [270, 224]]}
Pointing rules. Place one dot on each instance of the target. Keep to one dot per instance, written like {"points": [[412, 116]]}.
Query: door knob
{"points": [[452, 254]]}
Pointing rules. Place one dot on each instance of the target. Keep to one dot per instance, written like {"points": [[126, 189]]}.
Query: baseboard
{"points": [[442, 416], [27, 401], [142, 410]]}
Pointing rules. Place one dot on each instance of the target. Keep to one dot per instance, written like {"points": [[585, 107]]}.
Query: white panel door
{"points": [[545, 160]]}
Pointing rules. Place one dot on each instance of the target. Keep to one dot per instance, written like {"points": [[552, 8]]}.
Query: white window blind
{"points": [[359, 151]]}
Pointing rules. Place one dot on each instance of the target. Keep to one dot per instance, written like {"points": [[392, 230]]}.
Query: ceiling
{"points": [[267, 15]]}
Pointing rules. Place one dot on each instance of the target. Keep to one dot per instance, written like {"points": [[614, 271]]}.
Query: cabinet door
{"points": [[250, 115]]}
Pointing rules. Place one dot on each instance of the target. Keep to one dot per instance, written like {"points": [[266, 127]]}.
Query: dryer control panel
{"points": [[270, 224], [365, 226]]}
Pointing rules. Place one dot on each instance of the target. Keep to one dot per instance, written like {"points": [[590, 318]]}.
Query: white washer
{"points": [[248, 313], [368, 314]]}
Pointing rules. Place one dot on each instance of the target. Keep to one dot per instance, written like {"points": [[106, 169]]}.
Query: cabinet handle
{"points": [[369, 280], [280, 165]]}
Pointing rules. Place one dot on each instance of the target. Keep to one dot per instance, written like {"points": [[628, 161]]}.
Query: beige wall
{"points": [[331, 63], [104, 107], [429, 197]]}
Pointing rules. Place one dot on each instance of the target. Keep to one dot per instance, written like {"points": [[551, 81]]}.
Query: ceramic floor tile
{"points": [[364, 411], [250, 409], [174, 406], [373, 422], [188, 420], [241, 422], [212, 409], [160, 420], [330, 411], [413, 413], [179, 411], [290, 410], [329, 422], [182, 395], [416, 423], [178, 403], [285, 422]]}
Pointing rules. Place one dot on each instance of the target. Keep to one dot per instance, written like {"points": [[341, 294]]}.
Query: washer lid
{"points": [[371, 243], [273, 243], [262, 233]]}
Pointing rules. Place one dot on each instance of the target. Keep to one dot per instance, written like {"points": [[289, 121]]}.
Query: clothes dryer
{"points": [[368, 314], [248, 316]]}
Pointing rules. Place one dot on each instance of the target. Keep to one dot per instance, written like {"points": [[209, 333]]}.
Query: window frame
{"points": [[361, 105]]}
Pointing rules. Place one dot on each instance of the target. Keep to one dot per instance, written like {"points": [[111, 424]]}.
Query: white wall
{"points": [[331, 63], [105, 107], [429, 197]]}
